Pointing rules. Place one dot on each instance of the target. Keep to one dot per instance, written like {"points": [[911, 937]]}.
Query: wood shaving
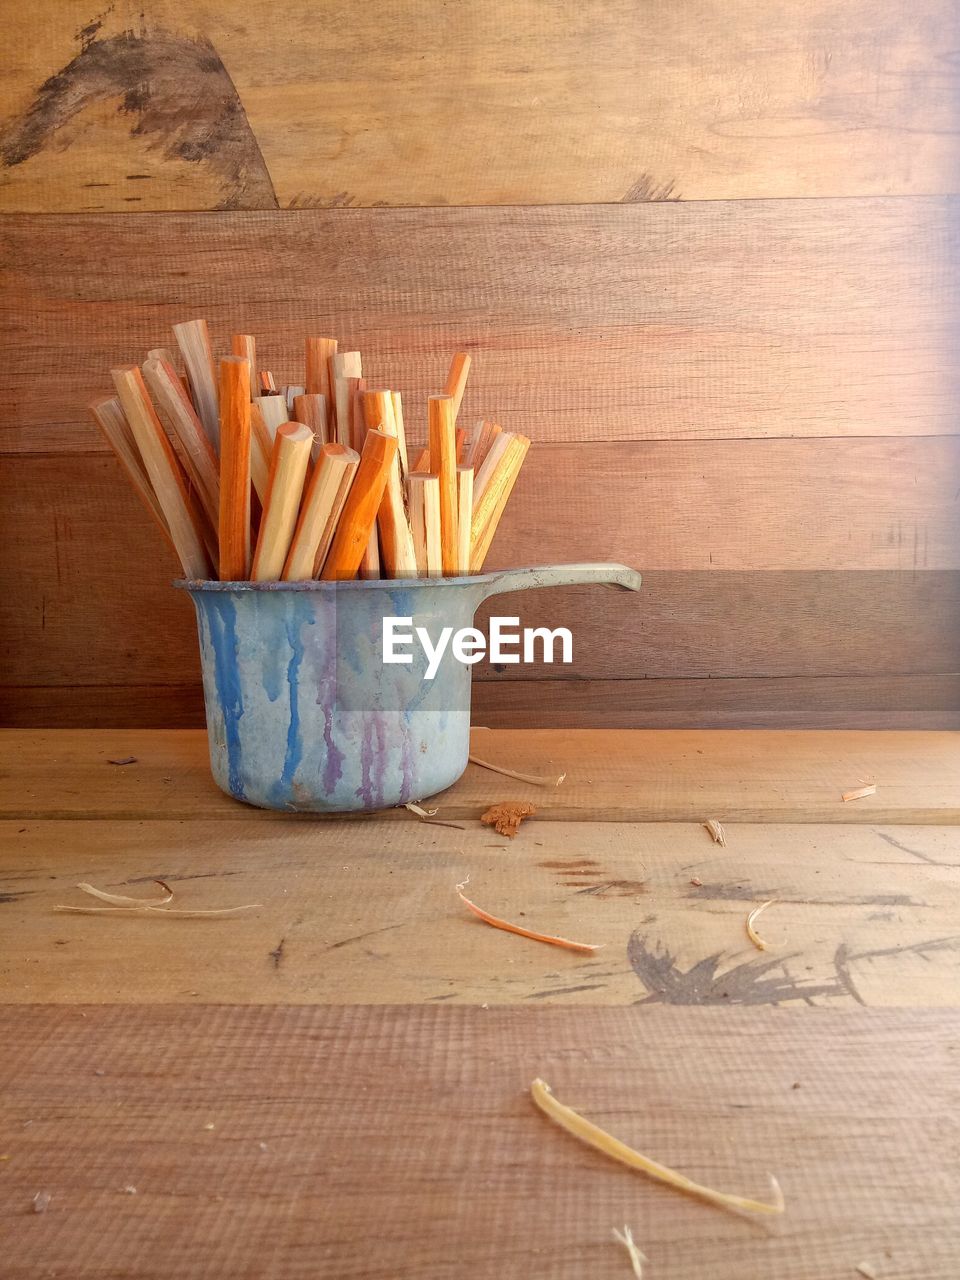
{"points": [[170, 912], [124, 906], [121, 900], [752, 934], [865, 1269], [716, 830], [860, 792], [41, 1201], [610, 1146], [696, 882], [637, 1259], [524, 933], [538, 780], [507, 816], [427, 816], [125, 760]]}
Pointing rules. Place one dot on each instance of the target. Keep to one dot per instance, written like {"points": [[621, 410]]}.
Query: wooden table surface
{"points": [[335, 1084]]}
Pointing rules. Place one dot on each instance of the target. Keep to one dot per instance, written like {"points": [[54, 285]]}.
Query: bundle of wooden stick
{"points": [[248, 482]]}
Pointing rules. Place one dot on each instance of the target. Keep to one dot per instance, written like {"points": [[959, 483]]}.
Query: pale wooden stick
{"points": [[288, 471], [109, 417], [193, 339], [486, 438], [311, 410], [291, 394], [360, 510], [401, 433], [488, 469], [502, 486], [261, 447], [399, 558], [164, 353], [234, 469], [164, 471], [245, 344], [443, 459], [175, 408], [317, 371], [425, 519], [457, 380], [323, 501], [343, 366], [274, 410], [464, 517]]}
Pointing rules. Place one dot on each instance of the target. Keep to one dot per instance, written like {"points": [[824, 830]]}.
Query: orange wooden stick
{"points": [[164, 471], [323, 502], [234, 469], [245, 344], [176, 410], [485, 440], [457, 380], [317, 371], [311, 410], [108, 415], [464, 517], [401, 432], [443, 459], [288, 471], [422, 462], [461, 438], [266, 382], [360, 510]]}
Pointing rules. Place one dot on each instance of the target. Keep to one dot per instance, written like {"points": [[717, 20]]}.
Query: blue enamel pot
{"points": [[302, 712]]}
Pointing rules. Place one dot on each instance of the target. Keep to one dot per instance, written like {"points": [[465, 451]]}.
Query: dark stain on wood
{"points": [[564, 991], [613, 889], [647, 188], [276, 955], [180, 95], [754, 982], [924, 857], [15, 897], [578, 866], [844, 958]]}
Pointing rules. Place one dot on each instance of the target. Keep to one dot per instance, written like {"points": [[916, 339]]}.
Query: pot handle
{"points": [[560, 575]]}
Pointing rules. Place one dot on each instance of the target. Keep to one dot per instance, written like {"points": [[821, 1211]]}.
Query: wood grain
{"points": [[366, 913], [612, 776], [783, 702], [654, 321], [607, 101], [314, 1112]]}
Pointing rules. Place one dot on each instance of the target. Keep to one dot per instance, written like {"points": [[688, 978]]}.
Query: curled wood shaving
{"points": [[507, 816], [124, 906], [427, 816], [121, 900], [602, 1141], [171, 912], [519, 929], [538, 780], [716, 830], [41, 1201], [860, 792], [752, 934], [637, 1259], [865, 1269]]}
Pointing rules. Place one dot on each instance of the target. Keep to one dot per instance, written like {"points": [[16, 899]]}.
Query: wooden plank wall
{"points": [[703, 254]]}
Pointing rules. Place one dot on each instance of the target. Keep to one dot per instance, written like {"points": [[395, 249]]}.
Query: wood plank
{"points": [[612, 776], [781, 702], [654, 321], [365, 913], [95, 607], [602, 102], [384, 1141]]}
